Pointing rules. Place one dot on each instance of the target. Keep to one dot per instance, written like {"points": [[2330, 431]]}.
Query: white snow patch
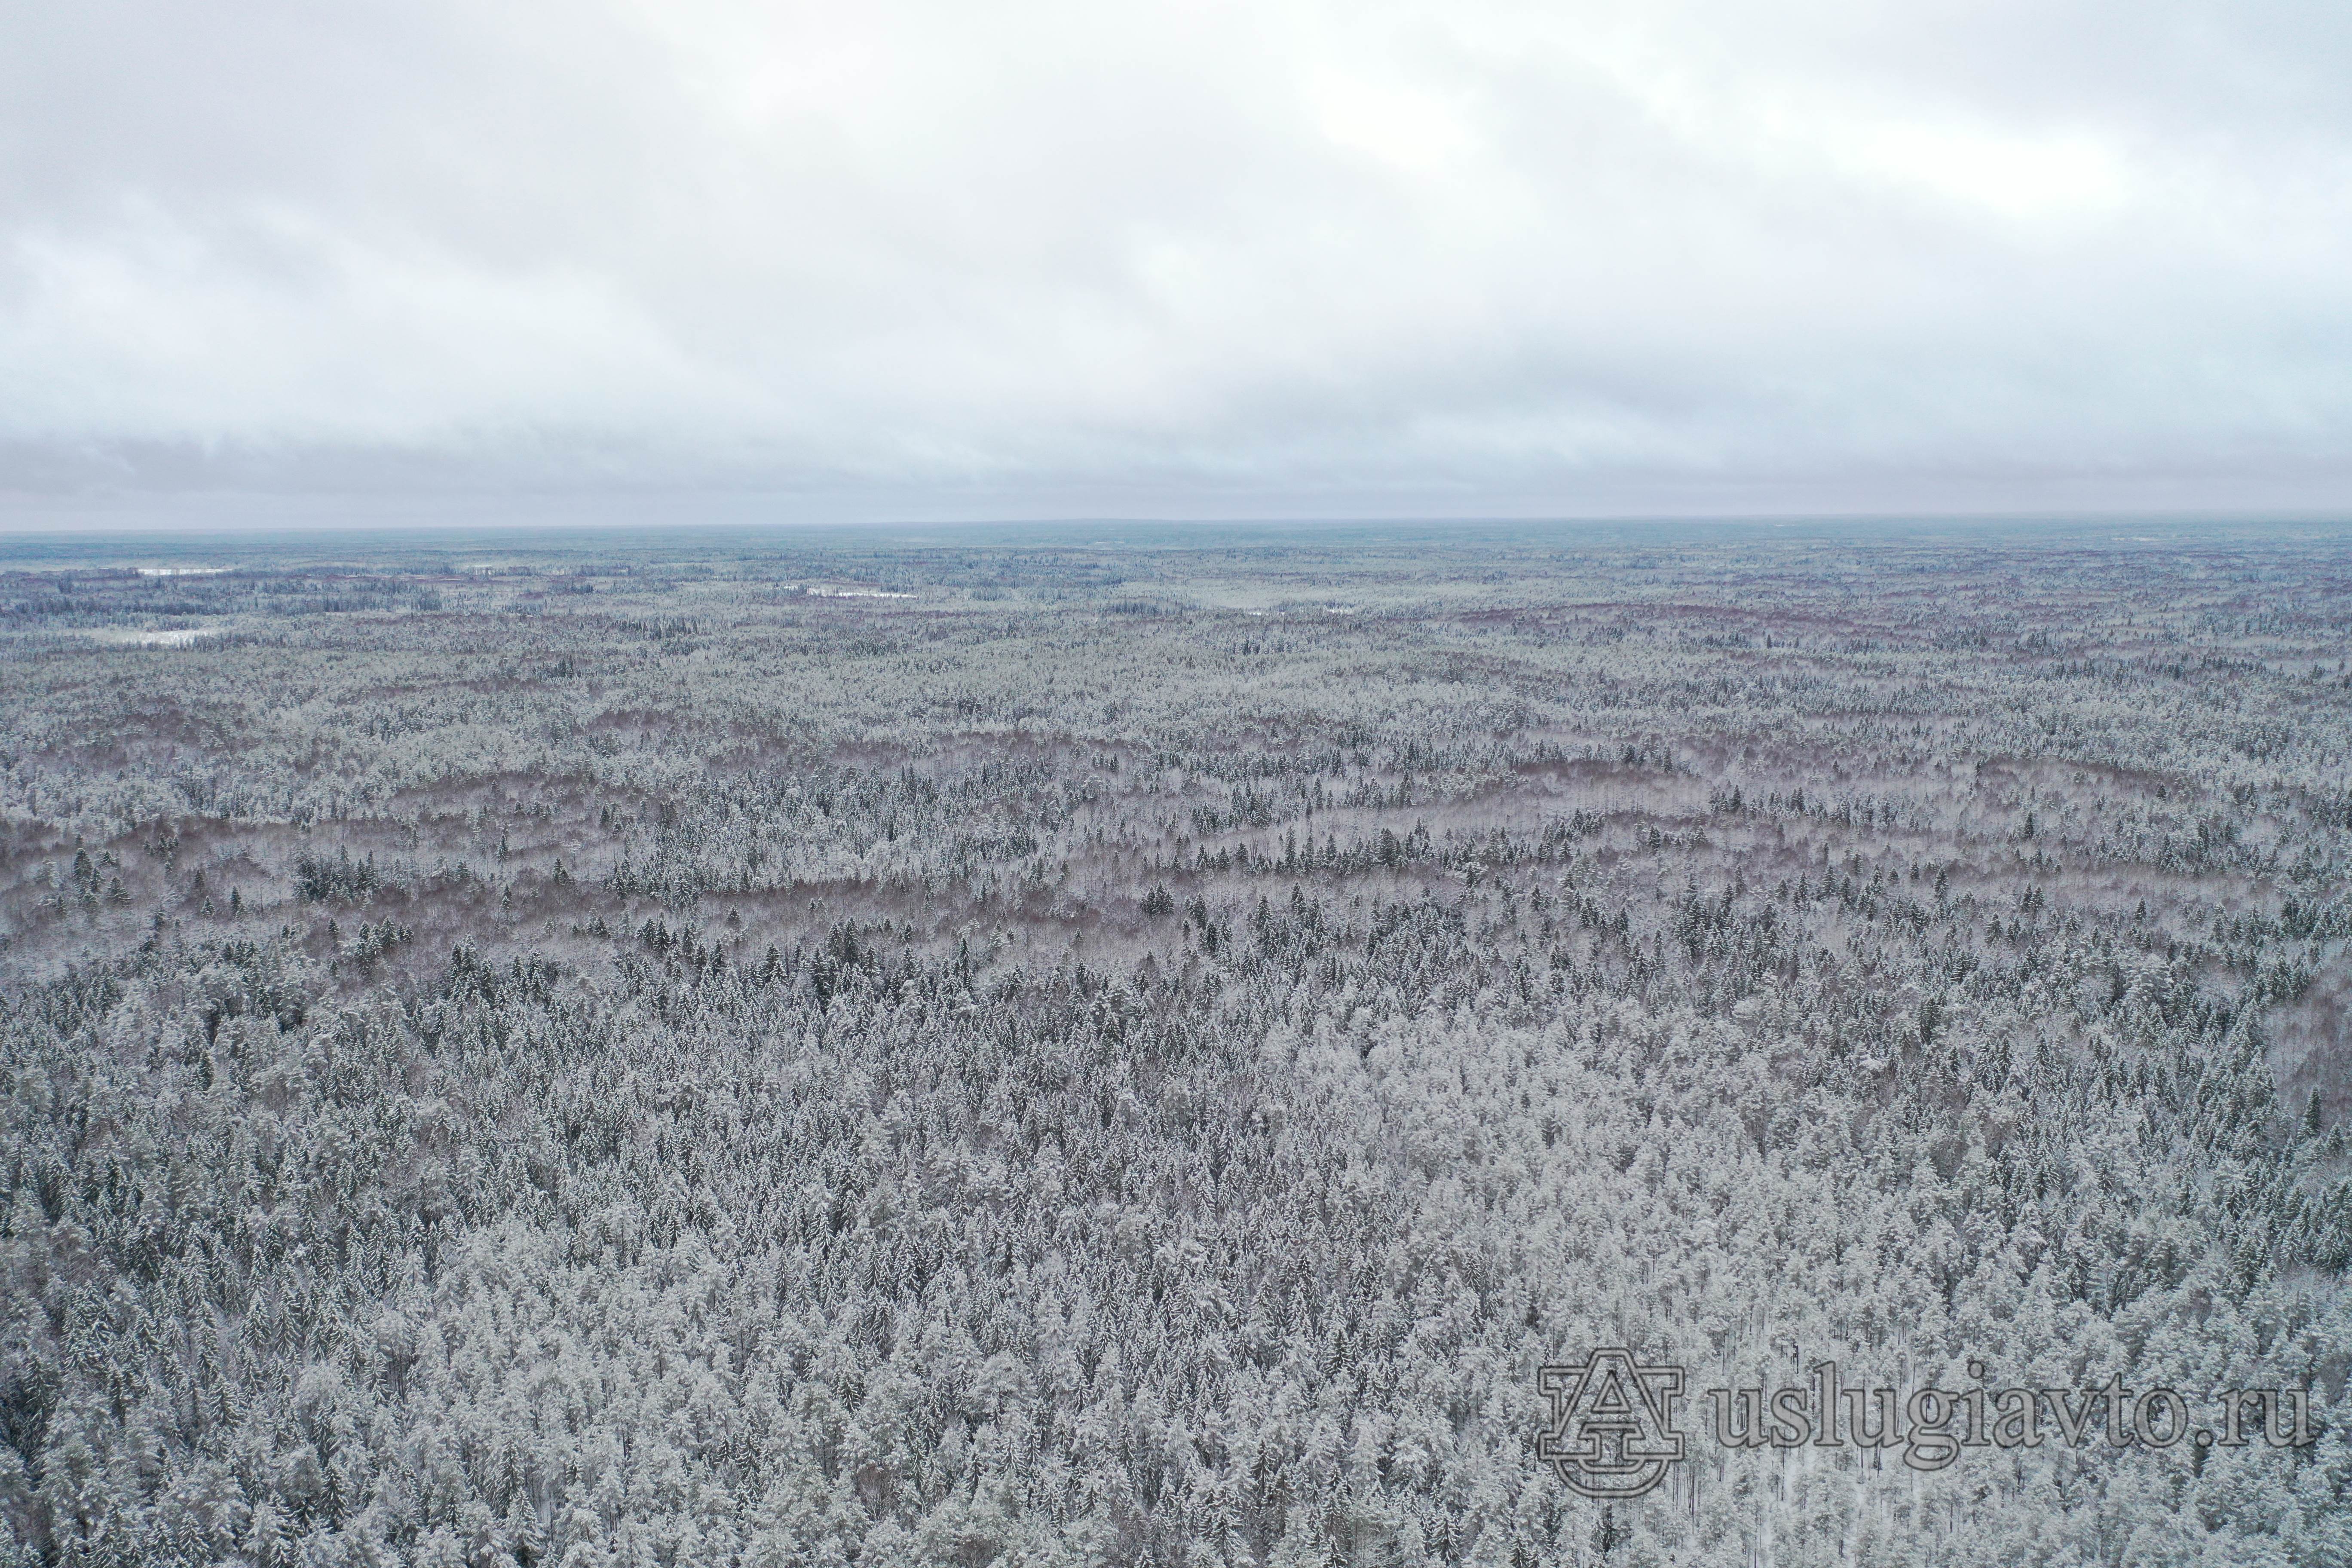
{"points": [[126, 637], [816, 593]]}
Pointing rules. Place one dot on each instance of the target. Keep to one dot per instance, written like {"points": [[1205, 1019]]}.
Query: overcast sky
{"points": [[1141, 259]]}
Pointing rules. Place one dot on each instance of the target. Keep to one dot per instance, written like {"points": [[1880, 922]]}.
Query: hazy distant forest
{"points": [[1055, 1049]]}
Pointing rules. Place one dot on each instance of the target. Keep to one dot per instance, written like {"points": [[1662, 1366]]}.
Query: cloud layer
{"points": [[1153, 258]]}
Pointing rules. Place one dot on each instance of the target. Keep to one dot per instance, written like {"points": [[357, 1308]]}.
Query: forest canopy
{"points": [[1036, 1048]]}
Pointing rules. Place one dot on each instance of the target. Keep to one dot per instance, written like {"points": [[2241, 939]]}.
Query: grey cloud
{"points": [[1156, 260]]}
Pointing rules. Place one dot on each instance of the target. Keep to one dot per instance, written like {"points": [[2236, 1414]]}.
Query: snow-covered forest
{"points": [[1050, 1048]]}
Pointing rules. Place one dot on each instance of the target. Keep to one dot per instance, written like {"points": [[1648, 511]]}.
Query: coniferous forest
{"points": [[1134, 1046]]}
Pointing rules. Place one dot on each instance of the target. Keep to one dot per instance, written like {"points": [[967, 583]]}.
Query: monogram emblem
{"points": [[1612, 1432]]}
